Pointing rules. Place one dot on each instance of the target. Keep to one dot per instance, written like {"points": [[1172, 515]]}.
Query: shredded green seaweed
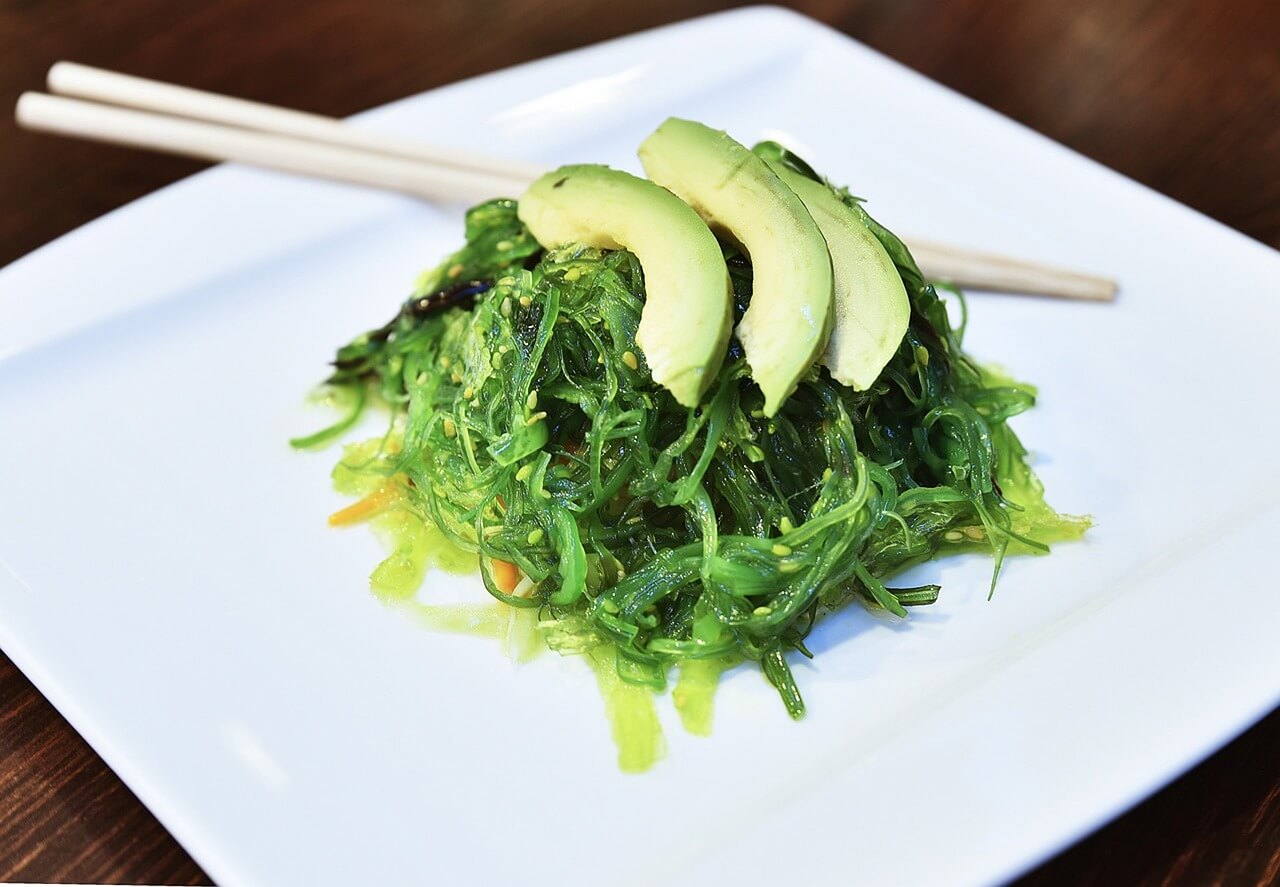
{"points": [[527, 430]]}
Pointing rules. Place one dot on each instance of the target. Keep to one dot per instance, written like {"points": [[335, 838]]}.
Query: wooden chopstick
{"points": [[108, 87], [969, 269], [214, 141], [145, 113]]}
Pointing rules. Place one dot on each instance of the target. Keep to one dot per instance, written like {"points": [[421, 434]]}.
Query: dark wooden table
{"points": [[1180, 95]]}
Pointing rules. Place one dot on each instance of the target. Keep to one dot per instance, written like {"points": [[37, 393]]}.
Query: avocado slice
{"points": [[788, 322], [688, 311], [871, 305]]}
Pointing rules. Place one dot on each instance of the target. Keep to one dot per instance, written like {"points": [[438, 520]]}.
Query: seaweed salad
{"points": [[532, 437]]}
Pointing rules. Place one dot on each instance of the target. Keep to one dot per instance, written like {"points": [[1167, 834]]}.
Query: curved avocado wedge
{"points": [[788, 321], [871, 305], [688, 311]]}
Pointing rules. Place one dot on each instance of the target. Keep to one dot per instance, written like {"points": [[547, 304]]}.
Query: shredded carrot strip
{"points": [[376, 502], [505, 575]]}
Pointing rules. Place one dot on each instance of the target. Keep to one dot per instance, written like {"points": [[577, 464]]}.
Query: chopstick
{"points": [[108, 87], [214, 141], [970, 269], [121, 109]]}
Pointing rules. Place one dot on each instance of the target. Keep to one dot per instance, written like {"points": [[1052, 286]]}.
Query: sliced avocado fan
{"points": [[871, 305], [688, 311], [788, 322]]}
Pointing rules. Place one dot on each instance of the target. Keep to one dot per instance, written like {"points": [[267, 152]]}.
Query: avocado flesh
{"points": [[688, 311], [871, 305], [788, 322]]}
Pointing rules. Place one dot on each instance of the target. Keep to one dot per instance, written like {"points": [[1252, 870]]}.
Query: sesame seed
{"points": [[572, 274], [762, 611], [422, 378], [953, 535], [788, 567], [781, 550], [450, 427], [536, 418], [456, 377], [523, 474], [455, 270], [468, 393], [531, 401], [600, 359], [826, 474], [545, 494], [785, 525], [922, 355], [525, 301], [444, 362], [975, 533], [535, 535], [609, 606], [506, 307], [503, 245], [629, 358]]}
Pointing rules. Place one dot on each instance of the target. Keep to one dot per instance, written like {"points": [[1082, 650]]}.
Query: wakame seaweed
{"points": [[526, 429]]}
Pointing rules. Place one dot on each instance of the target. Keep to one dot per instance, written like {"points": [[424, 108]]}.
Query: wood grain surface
{"points": [[1182, 96]]}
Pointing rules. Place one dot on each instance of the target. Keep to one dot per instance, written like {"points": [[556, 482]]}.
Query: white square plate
{"points": [[169, 581]]}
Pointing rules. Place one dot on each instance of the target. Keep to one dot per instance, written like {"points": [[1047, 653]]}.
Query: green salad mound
{"points": [[526, 429]]}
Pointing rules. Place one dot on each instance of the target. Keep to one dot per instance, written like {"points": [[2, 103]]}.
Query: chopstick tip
{"points": [[22, 108], [58, 71]]}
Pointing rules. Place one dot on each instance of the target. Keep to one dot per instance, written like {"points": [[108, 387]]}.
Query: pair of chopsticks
{"points": [[104, 106]]}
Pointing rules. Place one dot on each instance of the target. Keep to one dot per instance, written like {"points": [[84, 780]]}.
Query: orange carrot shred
{"points": [[376, 502], [505, 575]]}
